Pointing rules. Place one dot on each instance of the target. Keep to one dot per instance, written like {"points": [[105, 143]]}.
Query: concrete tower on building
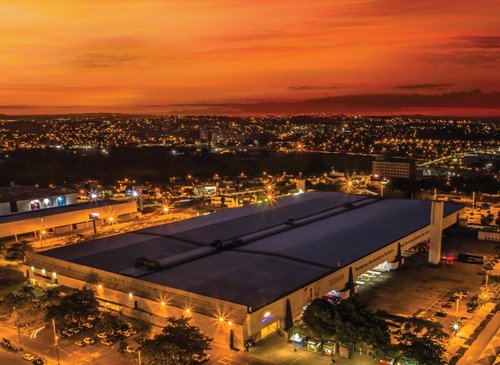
{"points": [[436, 232]]}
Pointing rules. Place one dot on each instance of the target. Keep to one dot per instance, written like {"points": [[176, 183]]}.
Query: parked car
{"points": [[102, 335], [38, 362], [107, 342], [129, 349], [198, 359], [89, 340], [29, 357], [80, 343]]}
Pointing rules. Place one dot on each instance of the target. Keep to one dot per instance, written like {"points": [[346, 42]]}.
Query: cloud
{"points": [[363, 104], [478, 41], [428, 86], [312, 87], [102, 59]]}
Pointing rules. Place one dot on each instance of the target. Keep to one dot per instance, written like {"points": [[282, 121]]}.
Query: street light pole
{"points": [[18, 327], [55, 340], [139, 356]]}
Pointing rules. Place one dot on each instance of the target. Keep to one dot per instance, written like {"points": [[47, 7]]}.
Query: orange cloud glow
{"points": [[62, 56]]}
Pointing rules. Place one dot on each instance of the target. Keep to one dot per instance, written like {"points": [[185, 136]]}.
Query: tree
{"points": [[319, 318], [487, 220], [122, 348], [418, 339], [21, 299], [109, 322], [176, 344], [356, 324], [350, 322], [75, 307], [17, 251], [51, 296], [142, 328]]}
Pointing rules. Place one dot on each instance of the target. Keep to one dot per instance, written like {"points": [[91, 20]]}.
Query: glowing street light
{"points": [[93, 195]]}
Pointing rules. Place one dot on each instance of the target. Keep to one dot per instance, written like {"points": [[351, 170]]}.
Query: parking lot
{"points": [[446, 294], [419, 289], [38, 339]]}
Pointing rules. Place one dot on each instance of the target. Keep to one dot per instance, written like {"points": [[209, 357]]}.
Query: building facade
{"points": [[394, 168], [243, 289]]}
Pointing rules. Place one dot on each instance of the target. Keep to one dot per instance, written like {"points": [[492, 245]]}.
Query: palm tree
{"points": [[17, 251]]}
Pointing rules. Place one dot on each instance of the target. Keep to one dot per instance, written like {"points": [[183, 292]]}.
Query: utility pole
{"points": [[55, 340], [139, 356]]}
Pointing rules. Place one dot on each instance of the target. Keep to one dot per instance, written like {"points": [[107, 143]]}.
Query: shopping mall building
{"points": [[243, 273]]}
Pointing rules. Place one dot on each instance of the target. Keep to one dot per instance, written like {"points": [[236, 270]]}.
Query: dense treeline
{"points": [[157, 164]]}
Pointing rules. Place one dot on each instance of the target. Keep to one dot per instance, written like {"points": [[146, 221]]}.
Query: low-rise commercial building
{"points": [[66, 218], [17, 199]]}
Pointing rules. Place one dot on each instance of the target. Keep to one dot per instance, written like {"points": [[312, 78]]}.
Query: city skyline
{"points": [[247, 58]]}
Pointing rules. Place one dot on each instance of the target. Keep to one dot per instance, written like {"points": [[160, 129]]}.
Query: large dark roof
{"points": [[278, 254], [16, 193]]}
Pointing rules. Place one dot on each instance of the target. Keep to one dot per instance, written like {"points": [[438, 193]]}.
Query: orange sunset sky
{"points": [[250, 57]]}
